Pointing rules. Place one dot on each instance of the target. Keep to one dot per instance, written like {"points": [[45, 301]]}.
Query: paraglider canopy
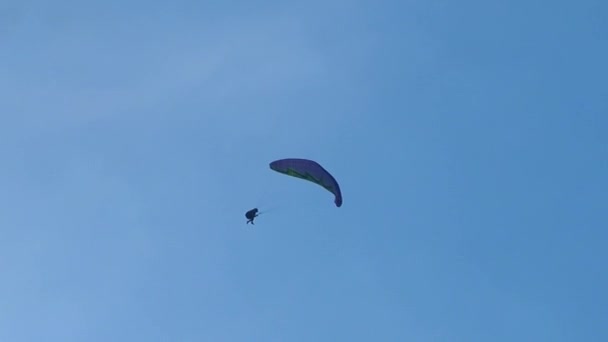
{"points": [[311, 171]]}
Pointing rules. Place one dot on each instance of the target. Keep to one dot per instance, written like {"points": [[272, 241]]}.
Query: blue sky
{"points": [[469, 139]]}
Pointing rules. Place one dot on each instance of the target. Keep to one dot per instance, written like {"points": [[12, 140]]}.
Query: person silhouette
{"points": [[251, 215]]}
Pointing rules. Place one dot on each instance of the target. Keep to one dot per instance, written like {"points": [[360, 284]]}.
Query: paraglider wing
{"points": [[310, 171]]}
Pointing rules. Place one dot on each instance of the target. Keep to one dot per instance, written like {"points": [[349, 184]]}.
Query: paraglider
{"points": [[311, 171], [251, 215], [304, 169]]}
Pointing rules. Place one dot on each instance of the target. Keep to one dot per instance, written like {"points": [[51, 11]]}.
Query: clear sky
{"points": [[469, 139]]}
